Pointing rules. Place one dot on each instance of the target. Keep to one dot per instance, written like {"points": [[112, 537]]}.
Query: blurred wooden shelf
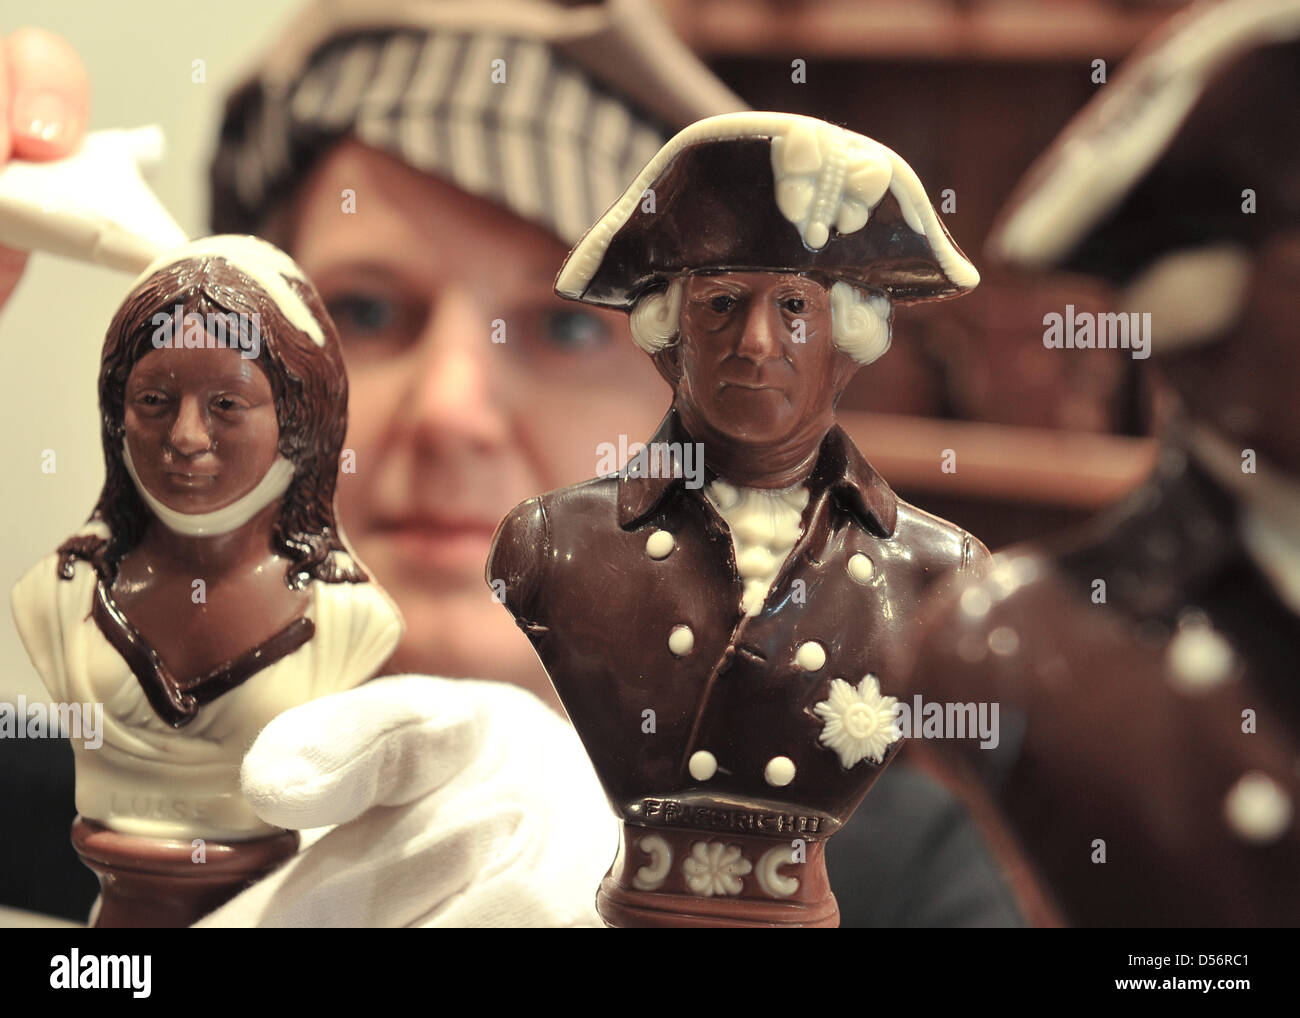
{"points": [[975, 30], [1002, 463]]}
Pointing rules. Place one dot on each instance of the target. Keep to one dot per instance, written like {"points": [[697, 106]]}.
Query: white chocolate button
{"points": [[660, 544], [1198, 659], [681, 641], [975, 602], [1004, 641], [1257, 809], [861, 568], [703, 765], [810, 656], [779, 771]]}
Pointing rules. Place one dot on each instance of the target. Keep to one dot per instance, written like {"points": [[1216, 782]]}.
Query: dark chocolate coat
{"points": [[1102, 742], [599, 609]]}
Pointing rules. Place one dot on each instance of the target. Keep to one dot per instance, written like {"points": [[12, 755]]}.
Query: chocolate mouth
{"points": [[184, 478], [754, 387]]}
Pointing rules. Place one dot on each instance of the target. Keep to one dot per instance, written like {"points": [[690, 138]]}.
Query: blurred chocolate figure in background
{"points": [[468, 193], [1149, 765]]}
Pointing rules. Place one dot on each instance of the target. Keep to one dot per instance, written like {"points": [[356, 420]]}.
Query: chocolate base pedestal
{"points": [[154, 883], [648, 886]]}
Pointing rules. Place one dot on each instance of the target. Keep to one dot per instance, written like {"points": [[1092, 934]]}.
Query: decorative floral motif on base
{"points": [[652, 877], [770, 877], [714, 868], [859, 723]]}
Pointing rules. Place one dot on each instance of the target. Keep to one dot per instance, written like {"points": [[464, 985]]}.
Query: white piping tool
{"points": [[93, 205]]}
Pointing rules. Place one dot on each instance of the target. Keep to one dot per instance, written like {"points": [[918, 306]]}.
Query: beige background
{"points": [[140, 55]]}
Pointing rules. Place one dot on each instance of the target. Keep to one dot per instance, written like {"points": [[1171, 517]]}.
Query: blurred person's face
{"points": [[473, 387]]}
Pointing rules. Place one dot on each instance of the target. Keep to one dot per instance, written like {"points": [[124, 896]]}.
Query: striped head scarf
{"points": [[505, 115]]}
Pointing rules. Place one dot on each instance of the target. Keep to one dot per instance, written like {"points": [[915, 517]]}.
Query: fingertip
{"points": [[12, 263], [49, 92]]}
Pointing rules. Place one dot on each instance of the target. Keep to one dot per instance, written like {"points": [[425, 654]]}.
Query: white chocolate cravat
{"points": [[765, 526], [274, 483]]}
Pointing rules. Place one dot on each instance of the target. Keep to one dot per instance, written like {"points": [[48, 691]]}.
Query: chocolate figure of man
{"points": [[724, 639]]}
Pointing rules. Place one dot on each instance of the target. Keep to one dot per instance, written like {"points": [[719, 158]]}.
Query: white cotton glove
{"points": [[458, 803]]}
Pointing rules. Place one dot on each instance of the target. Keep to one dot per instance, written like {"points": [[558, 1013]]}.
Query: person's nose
{"points": [[760, 339], [189, 432], [454, 397]]}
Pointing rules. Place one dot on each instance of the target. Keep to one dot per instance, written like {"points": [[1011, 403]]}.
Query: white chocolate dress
{"points": [[149, 778]]}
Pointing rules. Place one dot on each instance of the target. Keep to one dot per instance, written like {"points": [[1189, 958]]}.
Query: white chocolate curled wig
{"points": [[859, 321]]}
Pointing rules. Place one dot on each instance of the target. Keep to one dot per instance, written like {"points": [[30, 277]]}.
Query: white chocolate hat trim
{"points": [[824, 175], [1128, 127]]}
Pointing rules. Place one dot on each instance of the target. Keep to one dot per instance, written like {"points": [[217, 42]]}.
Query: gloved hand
{"points": [[457, 803]]}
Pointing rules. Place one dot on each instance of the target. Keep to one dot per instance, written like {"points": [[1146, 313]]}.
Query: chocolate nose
{"points": [[189, 433], [759, 342]]}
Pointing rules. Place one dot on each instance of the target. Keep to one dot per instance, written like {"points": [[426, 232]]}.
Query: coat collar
{"points": [[841, 471]]}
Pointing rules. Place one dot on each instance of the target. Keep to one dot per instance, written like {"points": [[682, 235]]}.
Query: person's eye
{"points": [[573, 330], [363, 315], [722, 303], [795, 305]]}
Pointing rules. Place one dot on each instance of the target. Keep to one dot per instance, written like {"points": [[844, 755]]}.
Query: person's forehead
{"points": [[402, 210]]}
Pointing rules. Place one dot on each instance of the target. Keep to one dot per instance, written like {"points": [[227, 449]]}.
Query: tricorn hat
{"points": [[1162, 158], [770, 192]]}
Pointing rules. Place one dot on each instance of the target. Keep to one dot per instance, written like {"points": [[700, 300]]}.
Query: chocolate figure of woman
{"points": [[724, 619], [212, 588]]}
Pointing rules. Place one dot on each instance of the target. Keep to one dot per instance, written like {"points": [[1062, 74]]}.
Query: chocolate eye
{"points": [[150, 402], [722, 303]]}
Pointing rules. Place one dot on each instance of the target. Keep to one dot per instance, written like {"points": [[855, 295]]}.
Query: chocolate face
{"points": [[308, 393], [756, 355], [201, 426], [755, 370]]}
